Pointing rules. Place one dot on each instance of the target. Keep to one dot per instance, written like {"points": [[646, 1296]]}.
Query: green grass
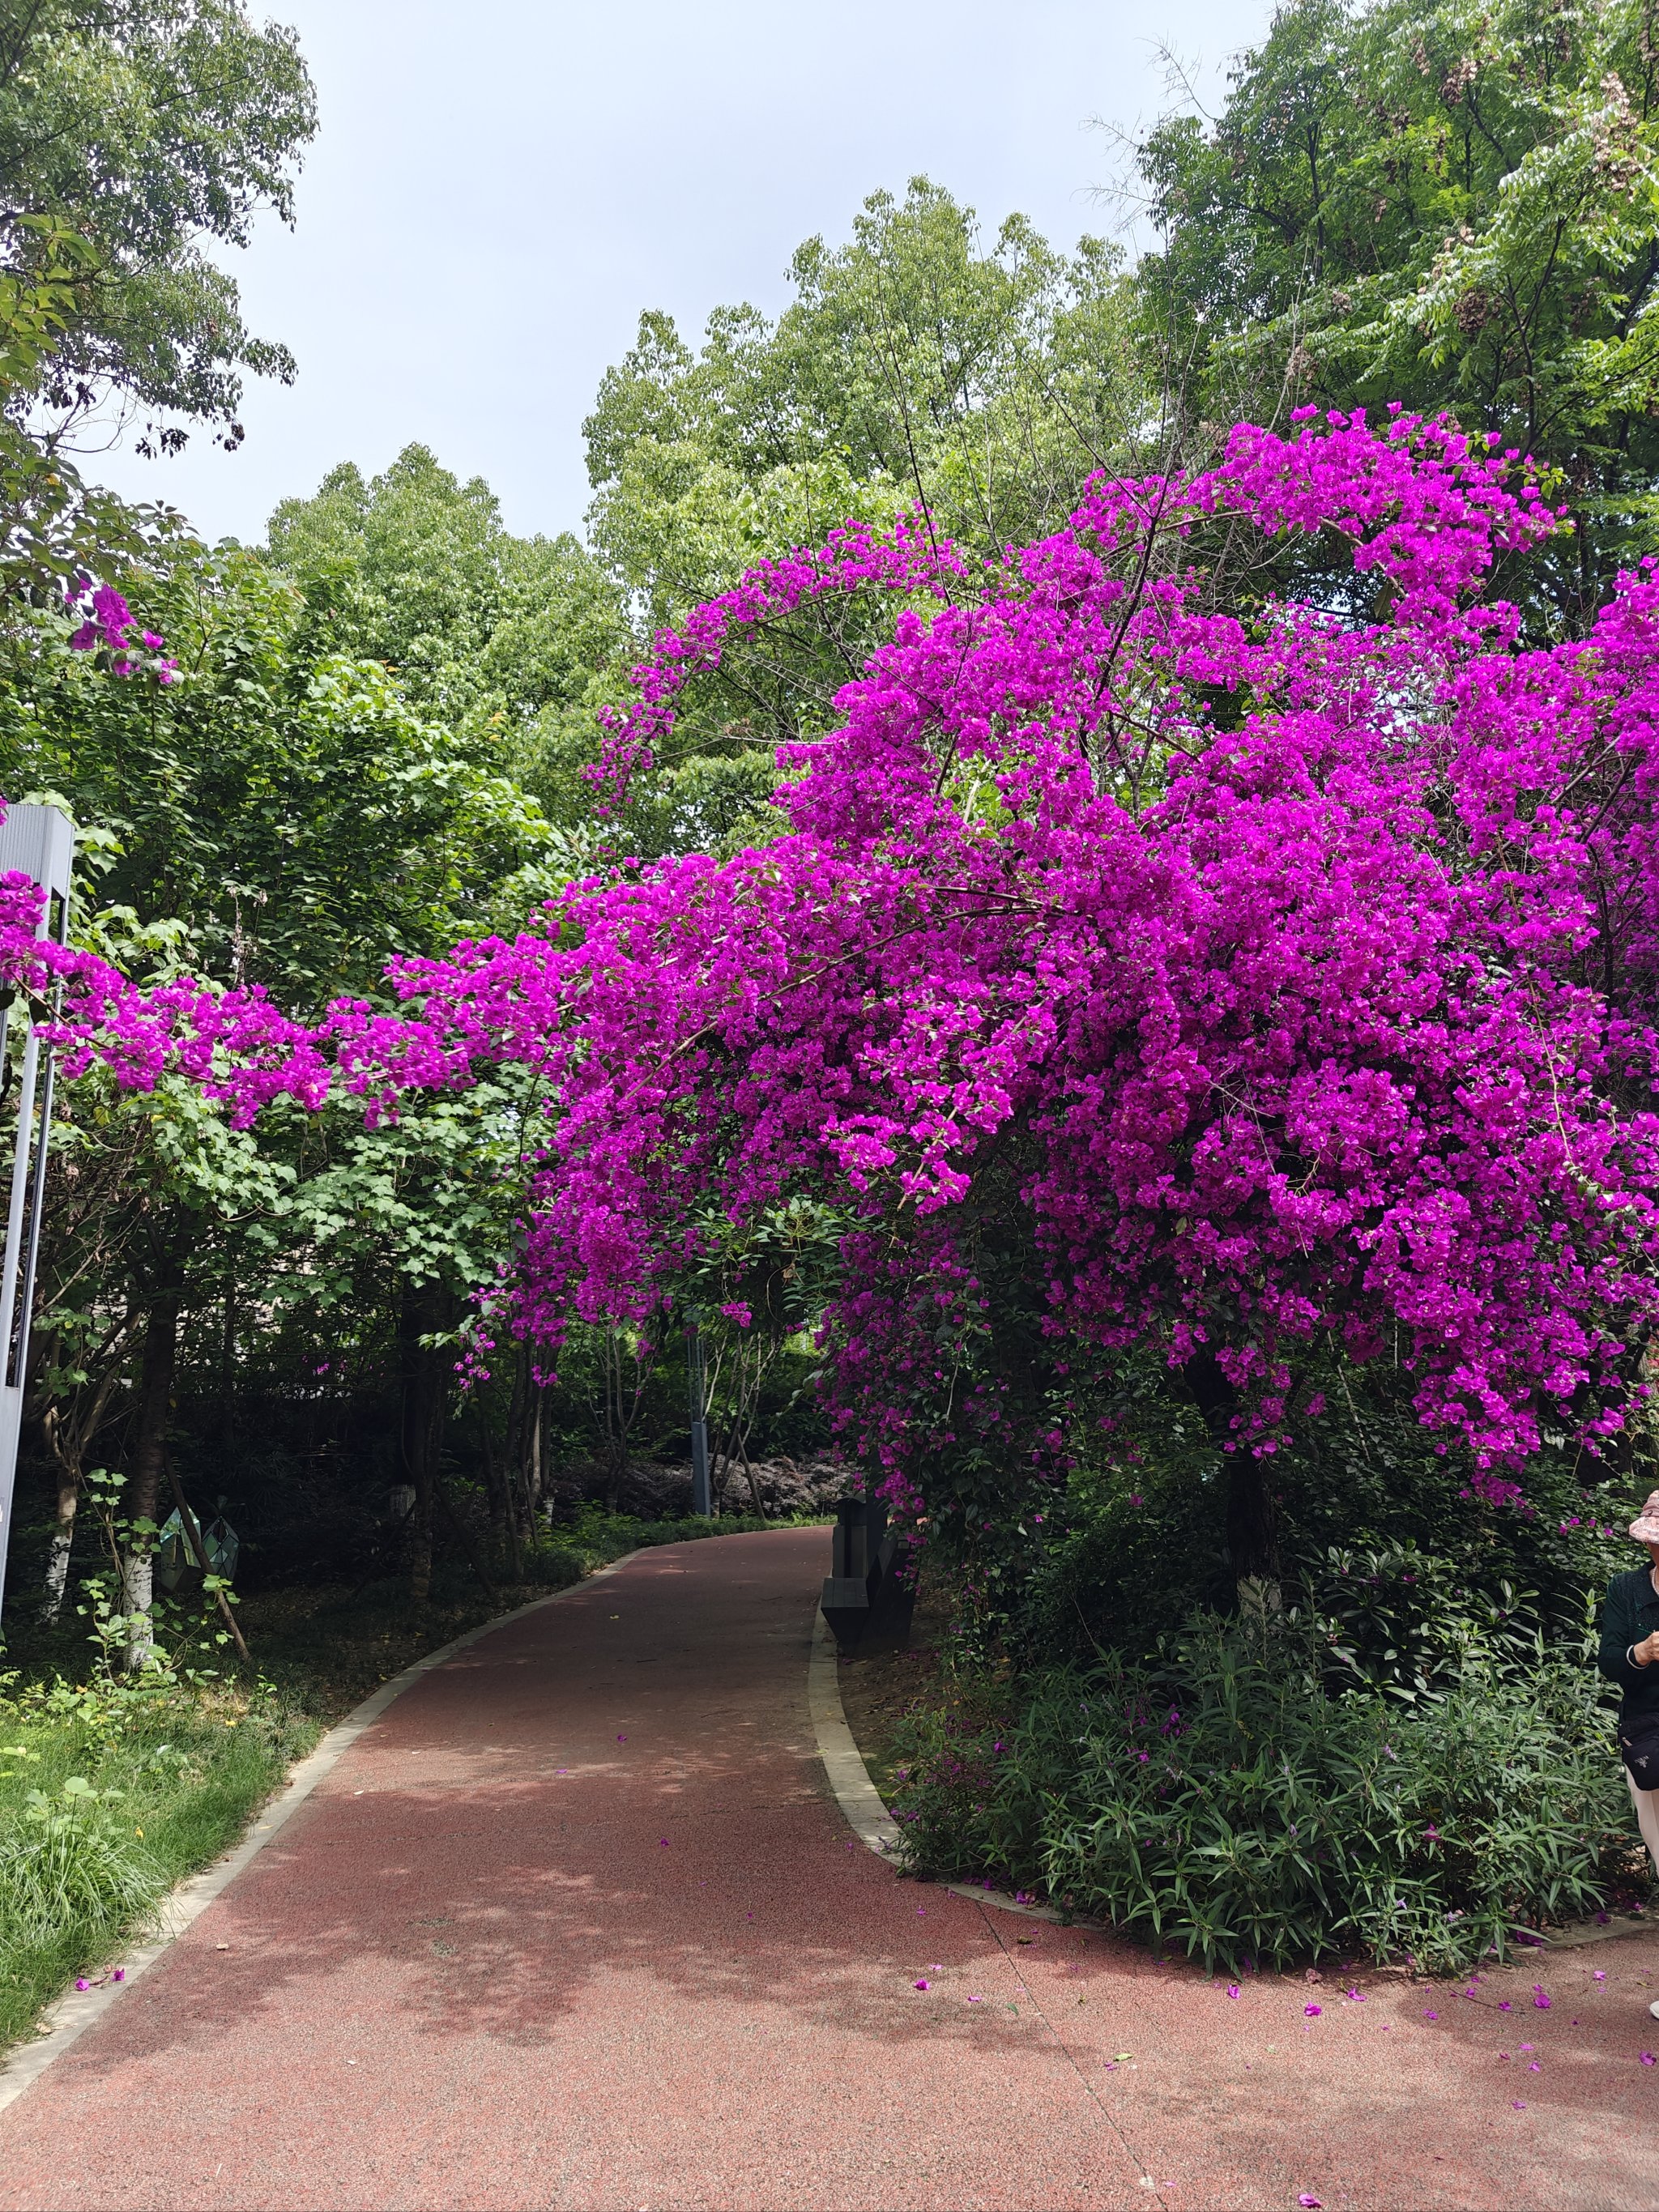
{"points": [[191, 1767], [194, 1759]]}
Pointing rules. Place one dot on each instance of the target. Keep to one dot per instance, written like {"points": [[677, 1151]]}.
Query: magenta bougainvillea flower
{"points": [[1290, 971]]}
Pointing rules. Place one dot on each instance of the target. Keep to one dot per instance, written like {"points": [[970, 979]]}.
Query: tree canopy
{"points": [[1453, 207]]}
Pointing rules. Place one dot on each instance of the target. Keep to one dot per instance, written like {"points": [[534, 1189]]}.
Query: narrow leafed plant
{"points": [[72, 1860]]}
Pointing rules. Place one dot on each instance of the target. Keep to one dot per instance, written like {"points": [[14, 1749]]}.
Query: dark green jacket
{"points": [[1630, 1612]]}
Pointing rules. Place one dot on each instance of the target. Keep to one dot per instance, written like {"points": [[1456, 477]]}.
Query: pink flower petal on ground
{"points": [[1504, 2004], [1535, 2068], [1358, 1996], [1232, 1988], [1599, 1975], [1308, 2202], [621, 1739], [665, 1842], [1519, 2103], [82, 1983], [1430, 2015], [1313, 2011], [921, 1985], [975, 2000], [1647, 2058], [1541, 2002], [120, 1975]]}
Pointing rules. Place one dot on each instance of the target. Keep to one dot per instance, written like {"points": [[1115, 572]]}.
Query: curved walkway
{"points": [[577, 1923]]}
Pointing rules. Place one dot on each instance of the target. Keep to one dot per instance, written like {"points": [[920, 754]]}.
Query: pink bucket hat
{"points": [[1645, 1526]]}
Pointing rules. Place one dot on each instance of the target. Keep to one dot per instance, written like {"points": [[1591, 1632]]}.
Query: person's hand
{"points": [[1647, 1650]]}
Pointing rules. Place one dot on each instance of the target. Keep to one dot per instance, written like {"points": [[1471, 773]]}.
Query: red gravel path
{"points": [[577, 1924]]}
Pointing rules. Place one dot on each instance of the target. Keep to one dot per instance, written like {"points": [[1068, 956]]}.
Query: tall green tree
{"points": [[150, 130], [1456, 207], [135, 135], [515, 641], [283, 816], [918, 365]]}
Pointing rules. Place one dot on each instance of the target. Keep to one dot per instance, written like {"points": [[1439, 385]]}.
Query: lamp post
{"points": [[37, 841], [696, 1382]]}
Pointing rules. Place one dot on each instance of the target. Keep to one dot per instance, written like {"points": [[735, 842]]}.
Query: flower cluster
{"points": [[110, 628], [1275, 977]]}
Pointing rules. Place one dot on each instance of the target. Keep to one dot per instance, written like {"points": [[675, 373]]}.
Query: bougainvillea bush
{"points": [[1145, 959], [1268, 981]]}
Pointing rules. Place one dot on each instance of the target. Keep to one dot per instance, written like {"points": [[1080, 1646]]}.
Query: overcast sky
{"points": [[497, 190]]}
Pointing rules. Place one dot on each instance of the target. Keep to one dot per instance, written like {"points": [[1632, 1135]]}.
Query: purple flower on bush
{"points": [[1284, 1027]]}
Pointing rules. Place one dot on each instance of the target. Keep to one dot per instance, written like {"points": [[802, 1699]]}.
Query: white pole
{"points": [[38, 841]]}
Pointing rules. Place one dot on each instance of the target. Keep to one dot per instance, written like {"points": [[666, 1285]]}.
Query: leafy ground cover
{"points": [[112, 1788], [1220, 1799]]}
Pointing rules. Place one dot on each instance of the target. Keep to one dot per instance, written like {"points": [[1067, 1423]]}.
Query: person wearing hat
{"points": [[1630, 1656]]}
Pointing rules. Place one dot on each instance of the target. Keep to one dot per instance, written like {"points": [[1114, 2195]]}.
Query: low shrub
{"points": [[1219, 1798]]}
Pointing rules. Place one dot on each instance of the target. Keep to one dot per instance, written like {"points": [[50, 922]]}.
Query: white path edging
{"points": [[843, 1763], [69, 2017]]}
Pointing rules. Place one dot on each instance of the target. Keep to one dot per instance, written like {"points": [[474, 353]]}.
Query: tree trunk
{"points": [[63, 1543], [143, 1490], [616, 1423], [1253, 1527], [1252, 1517], [420, 1314], [497, 1481], [70, 1433], [535, 1456], [228, 1371]]}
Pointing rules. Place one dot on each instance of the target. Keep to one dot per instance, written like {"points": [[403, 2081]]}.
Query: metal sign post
{"points": [[696, 1378], [38, 841]]}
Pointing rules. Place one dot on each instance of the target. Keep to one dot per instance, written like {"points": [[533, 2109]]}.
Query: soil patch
{"points": [[879, 1688]]}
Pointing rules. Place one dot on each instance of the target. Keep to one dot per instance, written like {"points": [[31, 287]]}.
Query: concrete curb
{"points": [[843, 1763], [69, 2016]]}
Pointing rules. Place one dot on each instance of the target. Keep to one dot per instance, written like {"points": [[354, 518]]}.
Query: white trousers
{"points": [[1646, 1802]]}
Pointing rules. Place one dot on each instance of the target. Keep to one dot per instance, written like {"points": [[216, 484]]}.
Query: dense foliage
{"points": [[1452, 206], [1222, 1801]]}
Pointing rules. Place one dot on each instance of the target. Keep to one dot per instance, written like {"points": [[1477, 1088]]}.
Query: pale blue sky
{"points": [[497, 190]]}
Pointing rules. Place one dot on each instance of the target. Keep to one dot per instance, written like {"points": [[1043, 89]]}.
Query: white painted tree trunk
{"points": [[138, 1580], [57, 1563]]}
